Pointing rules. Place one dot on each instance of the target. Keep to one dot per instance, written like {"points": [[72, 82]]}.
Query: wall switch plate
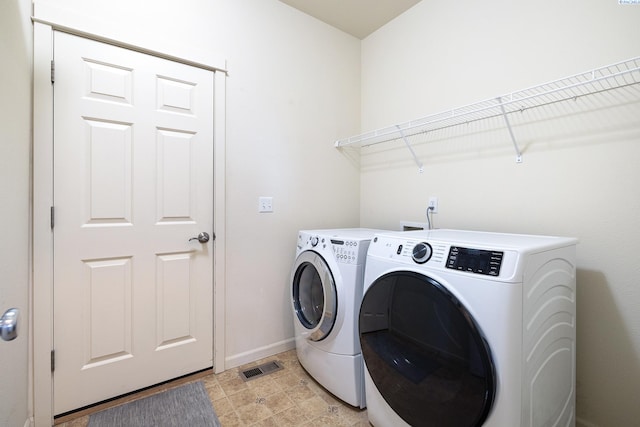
{"points": [[265, 204]]}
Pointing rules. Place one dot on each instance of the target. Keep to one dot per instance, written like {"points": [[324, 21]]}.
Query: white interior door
{"points": [[14, 219], [133, 183]]}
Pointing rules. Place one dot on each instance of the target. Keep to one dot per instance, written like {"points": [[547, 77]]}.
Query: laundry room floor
{"points": [[284, 398]]}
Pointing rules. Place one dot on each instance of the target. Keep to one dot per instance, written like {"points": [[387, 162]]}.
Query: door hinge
{"points": [[53, 71], [53, 360], [53, 217]]}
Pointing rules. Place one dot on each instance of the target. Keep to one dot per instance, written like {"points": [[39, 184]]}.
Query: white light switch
{"points": [[265, 204]]}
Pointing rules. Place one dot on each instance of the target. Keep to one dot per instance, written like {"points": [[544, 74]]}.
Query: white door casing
{"points": [[133, 182]]}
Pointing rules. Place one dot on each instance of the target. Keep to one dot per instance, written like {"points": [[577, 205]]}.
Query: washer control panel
{"points": [[475, 260], [421, 252], [346, 251]]}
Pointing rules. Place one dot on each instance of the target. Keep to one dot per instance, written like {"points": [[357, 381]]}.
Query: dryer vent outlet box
{"points": [[413, 226], [261, 371]]}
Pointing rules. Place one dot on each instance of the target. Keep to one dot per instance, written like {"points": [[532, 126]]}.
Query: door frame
{"points": [[42, 292]]}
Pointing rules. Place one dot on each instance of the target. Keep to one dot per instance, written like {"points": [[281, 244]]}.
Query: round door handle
{"points": [[202, 237], [9, 324]]}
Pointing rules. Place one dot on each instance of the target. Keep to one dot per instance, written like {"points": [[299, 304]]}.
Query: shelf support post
{"points": [[413, 153], [513, 138]]}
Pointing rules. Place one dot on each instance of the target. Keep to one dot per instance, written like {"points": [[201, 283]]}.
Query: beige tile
{"points": [[269, 422], [233, 386], [289, 380], [264, 386], [287, 398], [316, 407], [230, 420], [290, 417], [214, 389], [223, 406], [296, 368], [253, 412], [315, 387], [278, 402], [352, 415], [276, 375], [327, 397], [228, 375], [242, 398], [299, 393], [328, 420]]}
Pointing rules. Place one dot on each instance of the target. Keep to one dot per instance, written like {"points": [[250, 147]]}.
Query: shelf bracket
{"points": [[413, 153], [513, 138]]}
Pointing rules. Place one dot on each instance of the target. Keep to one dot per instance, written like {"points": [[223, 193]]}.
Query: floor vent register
{"points": [[261, 370]]}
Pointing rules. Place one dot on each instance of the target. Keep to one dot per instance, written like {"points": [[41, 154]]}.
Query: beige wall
{"points": [[579, 170], [293, 88], [15, 142]]}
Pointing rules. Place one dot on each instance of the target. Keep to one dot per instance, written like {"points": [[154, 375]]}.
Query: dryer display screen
{"points": [[475, 260]]}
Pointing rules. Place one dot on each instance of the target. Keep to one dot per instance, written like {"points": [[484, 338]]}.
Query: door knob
{"points": [[9, 324], [202, 237]]}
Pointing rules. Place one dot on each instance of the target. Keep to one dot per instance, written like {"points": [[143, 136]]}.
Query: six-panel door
{"points": [[133, 182]]}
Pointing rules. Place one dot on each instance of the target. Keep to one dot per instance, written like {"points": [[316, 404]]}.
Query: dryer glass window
{"points": [[425, 353], [309, 296], [314, 295]]}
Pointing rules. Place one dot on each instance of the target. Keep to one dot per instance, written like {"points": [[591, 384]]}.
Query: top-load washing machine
{"points": [[468, 329], [326, 289]]}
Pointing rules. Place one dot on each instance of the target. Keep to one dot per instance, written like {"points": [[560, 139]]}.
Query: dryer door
{"points": [[314, 295], [424, 352]]}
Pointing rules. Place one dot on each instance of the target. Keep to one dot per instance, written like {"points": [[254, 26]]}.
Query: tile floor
{"points": [[289, 397]]}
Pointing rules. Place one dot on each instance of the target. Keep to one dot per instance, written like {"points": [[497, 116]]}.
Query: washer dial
{"points": [[422, 252]]}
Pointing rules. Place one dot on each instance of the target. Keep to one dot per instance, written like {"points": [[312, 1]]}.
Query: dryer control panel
{"points": [[475, 260]]}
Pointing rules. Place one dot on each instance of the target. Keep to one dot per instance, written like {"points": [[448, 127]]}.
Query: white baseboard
{"points": [[259, 353]]}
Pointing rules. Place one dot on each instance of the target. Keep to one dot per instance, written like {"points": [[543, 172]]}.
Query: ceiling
{"points": [[356, 17]]}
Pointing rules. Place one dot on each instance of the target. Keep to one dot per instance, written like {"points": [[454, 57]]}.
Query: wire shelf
{"points": [[611, 77]]}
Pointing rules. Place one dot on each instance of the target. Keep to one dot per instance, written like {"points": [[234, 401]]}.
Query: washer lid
{"points": [[425, 353]]}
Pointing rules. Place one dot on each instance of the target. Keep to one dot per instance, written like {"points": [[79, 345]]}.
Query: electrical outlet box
{"points": [[433, 204], [265, 204]]}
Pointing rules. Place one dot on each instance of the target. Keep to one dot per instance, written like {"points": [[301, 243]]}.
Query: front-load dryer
{"points": [[326, 290], [469, 329]]}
